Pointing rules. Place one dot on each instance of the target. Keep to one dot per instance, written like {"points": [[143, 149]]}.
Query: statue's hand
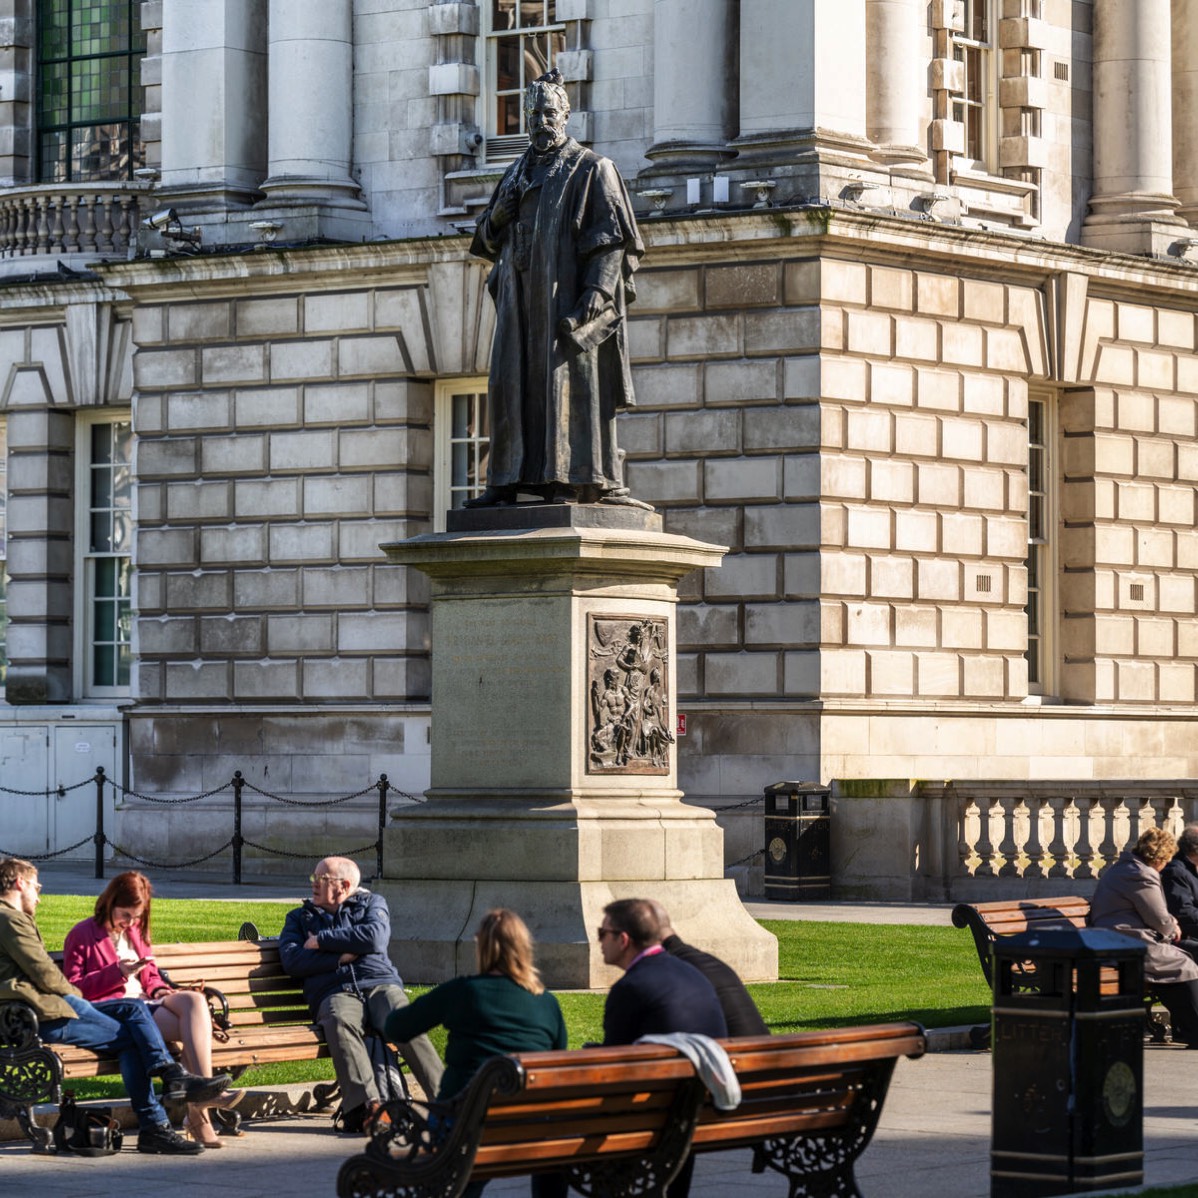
{"points": [[503, 211], [590, 306]]}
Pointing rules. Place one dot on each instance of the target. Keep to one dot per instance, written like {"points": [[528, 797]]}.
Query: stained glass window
{"points": [[89, 90]]}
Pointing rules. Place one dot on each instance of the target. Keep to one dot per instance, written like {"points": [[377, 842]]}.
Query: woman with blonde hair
{"points": [[503, 1008], [109, 956], [1130, 899]]}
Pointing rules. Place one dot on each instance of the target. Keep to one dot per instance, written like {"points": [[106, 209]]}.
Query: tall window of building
{"points": [[521, 40], [89, 94], [977, 105], [462, 438], [1040, 574], [3, 551], [106, 594]]}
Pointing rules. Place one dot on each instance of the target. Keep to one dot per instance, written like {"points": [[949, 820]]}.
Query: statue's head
{"points": [[546, 109]]}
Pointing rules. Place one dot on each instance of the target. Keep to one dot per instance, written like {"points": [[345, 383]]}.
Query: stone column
{"points": [[40, 518], [1132, 206], [1185, 107], [553, 790], [694, 84], [802, 89], [896, 70], [213, 101], [311, 103]]}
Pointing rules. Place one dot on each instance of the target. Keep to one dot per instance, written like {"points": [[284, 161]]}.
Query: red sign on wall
{"points": [[681, 728]]}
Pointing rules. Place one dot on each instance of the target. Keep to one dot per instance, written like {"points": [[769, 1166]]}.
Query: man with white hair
{"points": [[337, 943]]}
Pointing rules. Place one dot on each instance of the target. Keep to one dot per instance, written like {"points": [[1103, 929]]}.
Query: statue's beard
{"points": [[546, 140]]}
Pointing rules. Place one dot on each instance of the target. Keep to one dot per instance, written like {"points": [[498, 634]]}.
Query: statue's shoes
{"points": [[493, 497]]}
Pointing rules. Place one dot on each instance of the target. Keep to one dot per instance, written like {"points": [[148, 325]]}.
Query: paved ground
{"points": [[933, 1139], [934, 1135]]}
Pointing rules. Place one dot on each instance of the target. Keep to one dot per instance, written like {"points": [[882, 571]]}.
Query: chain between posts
{"points": [[238, 784]]}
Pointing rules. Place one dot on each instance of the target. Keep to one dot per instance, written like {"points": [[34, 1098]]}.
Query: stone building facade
{"points": [[915, 340]]}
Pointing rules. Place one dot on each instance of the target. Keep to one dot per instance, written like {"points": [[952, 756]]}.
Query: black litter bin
{"points": [[798, 852], [1068, 1063]]}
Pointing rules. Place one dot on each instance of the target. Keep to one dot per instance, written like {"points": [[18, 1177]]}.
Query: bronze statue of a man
{"points": [[562, 235]]}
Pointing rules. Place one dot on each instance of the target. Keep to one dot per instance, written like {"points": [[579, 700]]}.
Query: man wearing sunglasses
{"points": [[337, 943]]}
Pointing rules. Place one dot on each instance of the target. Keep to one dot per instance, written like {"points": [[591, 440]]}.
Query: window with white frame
{"points": [[3, 551], [462, 438], [521, 40], [105, 548], [1040, 556], [976, 107]]}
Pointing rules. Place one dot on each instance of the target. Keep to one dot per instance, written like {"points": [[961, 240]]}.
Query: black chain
{"points": [[116, 848], [266, 794], [134, 794], [738, 806], [746, 860], [45, 794], [403, 794], [307, 856], [48, 856]]}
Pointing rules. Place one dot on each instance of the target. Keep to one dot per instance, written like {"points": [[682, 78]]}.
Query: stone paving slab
{"points": [[933, 1139]]}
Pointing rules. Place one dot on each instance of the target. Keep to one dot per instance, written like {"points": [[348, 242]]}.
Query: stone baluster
{"points": [[1114, 813], [966, 810], [5, 227], [42, 244], [70, 235], [1145, 817], [1174, 819], [1033, 848], [87, 226], [1083, 849], [985, 846], [1008, 848], [104, 224], [23, 219], [56, 224], [123, 235], [1058, 851]]}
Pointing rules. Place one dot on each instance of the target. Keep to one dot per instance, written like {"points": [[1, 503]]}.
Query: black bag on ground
{"points": [[89, 1131]]}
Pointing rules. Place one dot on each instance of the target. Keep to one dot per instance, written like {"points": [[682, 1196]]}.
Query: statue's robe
{"points": [[553, 405]]}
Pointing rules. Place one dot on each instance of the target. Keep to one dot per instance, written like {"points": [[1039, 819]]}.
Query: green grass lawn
{"points": [[831, 974]]}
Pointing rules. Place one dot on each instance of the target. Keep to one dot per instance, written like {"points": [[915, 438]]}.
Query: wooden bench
{"points": [[259, 1015], [990, 921], [621, 1121]]}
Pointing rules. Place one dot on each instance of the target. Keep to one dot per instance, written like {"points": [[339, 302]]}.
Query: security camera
{"points": [[162, 220]]}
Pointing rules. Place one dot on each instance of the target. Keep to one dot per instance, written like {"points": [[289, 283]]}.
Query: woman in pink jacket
{"points": [[109, 956]]}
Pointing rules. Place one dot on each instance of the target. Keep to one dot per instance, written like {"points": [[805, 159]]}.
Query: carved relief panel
{"points": [[630, 725]]}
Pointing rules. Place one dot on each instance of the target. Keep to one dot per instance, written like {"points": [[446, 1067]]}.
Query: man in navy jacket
{"points": [[1180, 881], [657, 994], [337, 943]]}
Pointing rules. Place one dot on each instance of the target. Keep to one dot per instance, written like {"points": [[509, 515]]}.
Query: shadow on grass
{"points": [[937, 1017]]}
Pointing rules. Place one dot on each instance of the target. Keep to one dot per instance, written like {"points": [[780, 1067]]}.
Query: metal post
{"points": [[383, 786], [238, 783], [99, 838]]}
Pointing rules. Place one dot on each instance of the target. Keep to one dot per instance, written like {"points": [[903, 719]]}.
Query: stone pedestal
{"points": [[542, 799]]}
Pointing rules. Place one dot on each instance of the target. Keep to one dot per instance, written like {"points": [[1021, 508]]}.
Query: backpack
{"points": [[90, 1131]]}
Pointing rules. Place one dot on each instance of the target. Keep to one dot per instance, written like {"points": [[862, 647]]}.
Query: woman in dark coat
{"points": [[1180, 880], [1130, 899]]}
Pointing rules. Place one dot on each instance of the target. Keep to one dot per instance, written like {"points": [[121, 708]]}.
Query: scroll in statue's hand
{"points": [[591, 322]]}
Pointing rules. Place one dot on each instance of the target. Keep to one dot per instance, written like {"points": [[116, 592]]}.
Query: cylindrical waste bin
{"points": [[1068, 1043], [798, 851]]}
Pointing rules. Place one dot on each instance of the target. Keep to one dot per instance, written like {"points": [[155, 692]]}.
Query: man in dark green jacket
{"points": [[123, 1026]]}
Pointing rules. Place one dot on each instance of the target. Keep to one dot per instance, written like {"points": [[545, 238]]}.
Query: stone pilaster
{"points": [[894, 87], [802, 95], [311, 46], [1132, 206], [694, 84], [1185, 108], [213, 100]]}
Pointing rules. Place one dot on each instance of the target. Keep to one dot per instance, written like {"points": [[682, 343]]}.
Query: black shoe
{"points": [[351, 1122], [178, 1084], [163, 1140]]}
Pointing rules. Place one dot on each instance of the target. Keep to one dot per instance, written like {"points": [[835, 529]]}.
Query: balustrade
{"points": [[100, 219], [1057, 830]]}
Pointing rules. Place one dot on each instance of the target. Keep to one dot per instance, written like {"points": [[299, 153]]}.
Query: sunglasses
{"points": [[606, 932]]}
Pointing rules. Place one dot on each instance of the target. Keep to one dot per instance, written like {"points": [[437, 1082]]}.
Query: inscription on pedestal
{"points": [[628, 695]]}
